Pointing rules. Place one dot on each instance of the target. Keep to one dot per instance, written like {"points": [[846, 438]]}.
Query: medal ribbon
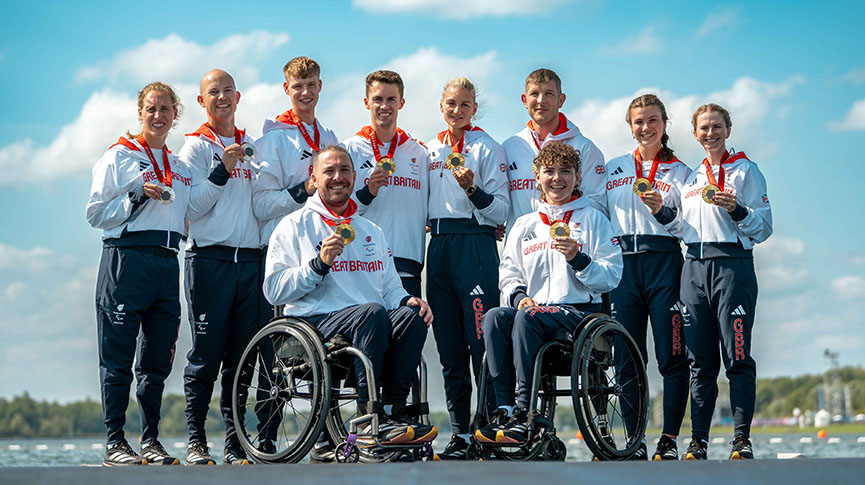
{"points": [[375, 143], [166, 179], [638, 165], [546, 220], [237, 137], [458, 147], [314, 144], [337, 219], [721, 174]]}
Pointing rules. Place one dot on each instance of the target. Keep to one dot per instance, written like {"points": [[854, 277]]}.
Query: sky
{"points": [[793, 78]]}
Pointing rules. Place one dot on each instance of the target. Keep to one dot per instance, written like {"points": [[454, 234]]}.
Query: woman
{"points": [[549, 283], [652, 258], [724, 212], [468, 199], [139, 198]]}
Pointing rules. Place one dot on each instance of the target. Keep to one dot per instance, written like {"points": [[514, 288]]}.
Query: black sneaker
{"points": [[666, 449], [697, 450], [642, 453], [234, 455], [390, 432], [322, 453], [155, 454], [455, 449], [488, 433], [741, 448], [199, 454], [516, 430], [121, 454], [423, 433], [267, 447]]}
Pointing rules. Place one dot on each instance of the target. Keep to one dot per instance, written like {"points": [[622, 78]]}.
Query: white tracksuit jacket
{"points": [[486, 159], [285, 161], [530, 264], [521, 152], [223, 217], [628, 214], [707, 223], [363, 273], [122, 172], [400, 208]]}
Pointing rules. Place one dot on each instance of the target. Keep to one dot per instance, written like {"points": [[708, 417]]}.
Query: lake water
{"points": [[89, 451]]}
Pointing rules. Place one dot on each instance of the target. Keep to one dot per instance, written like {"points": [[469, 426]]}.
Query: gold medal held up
{"points": [[346, 232], [455, 160], [560, 229], [642, 185], [387, 164], [709, 192]]}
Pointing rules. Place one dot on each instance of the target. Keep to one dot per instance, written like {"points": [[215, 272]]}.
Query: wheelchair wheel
{"points": [[611, 407], [279, 394]]}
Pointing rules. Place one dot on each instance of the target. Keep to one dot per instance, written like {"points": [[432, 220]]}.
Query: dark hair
{"points": [[386, 77], [558, 152], [666, 153], [712, 107]]}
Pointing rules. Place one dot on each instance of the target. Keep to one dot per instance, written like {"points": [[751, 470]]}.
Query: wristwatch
{"points": [[471, 190]]}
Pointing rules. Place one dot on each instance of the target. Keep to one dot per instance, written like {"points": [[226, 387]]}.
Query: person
{"points": [[393, 194], [286, 147], [138, 198], [468, 199], [549, 283], [350, 287], [725, 211], [543, 98], [653, 260], [223, 264]]}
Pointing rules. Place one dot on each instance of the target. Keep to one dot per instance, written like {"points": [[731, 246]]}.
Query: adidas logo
{"points": [[676, 307], [366, 164], [530, 236], [142, 166], [739, 311], [216, 157], [617, 171], [476, 291], [512, 166], [305, 154]]}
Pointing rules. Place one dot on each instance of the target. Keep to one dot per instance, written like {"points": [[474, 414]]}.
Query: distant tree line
{"points": [[23, 416]]}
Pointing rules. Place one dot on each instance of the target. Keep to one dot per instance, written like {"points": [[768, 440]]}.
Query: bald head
{"points": [[215, 75], [219, 97]]}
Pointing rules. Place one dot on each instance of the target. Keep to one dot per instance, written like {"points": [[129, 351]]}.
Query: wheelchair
{"points": [[600, 395], [291, 385]]}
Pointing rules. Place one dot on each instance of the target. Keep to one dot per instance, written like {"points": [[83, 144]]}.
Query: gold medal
{"points": [[642, 185], [346, 232], [560, 229], [709, 192], [455, 161], [387, 164]]}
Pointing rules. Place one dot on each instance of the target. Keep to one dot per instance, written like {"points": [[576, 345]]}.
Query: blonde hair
{"points": [[544, 75], [566, 155], [159, 87], [461, 82], [301, 68], [712, 107]]}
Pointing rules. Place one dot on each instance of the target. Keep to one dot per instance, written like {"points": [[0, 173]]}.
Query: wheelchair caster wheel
{"points": [[346, 452], [555, 450], [473, 452]]}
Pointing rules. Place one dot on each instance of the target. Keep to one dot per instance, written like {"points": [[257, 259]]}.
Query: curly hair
{"points": [[561, 153], [159, 87]]}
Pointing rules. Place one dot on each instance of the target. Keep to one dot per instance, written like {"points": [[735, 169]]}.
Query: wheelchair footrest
{"points": [[418, 409]]}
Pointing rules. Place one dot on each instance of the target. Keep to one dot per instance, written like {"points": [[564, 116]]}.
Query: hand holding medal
{"points": [[346, 232], [387, 165]]}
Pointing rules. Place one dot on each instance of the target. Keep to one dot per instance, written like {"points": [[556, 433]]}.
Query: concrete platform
{"points": [[823, 471]]}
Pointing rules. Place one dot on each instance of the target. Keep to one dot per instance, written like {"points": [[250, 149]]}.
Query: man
{"points": [[223, 264], [286, 147], [394, 196], [543, 98], [350, 287]]}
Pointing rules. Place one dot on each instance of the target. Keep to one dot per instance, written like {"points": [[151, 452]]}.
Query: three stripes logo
{"points": [[476, 291], [617, 171], [738, 312], [677, 307], [305, 154], [530, 236], [366, 165], [142, 166], [513, 166]]}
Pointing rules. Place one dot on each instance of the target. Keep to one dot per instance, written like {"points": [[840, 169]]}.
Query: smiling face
{"points": [[543, 100], [157, 114], [333, 177], [711, 131], [303, 93], [556, 182], [218, 97], [383, 101], [458, 106], [647, 126]]}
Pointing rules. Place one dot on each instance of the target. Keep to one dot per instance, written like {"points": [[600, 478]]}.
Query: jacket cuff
{"points": [[298, 193], [481, 199], [364, 195], [138, 198], [665, 215], [739, 213], [319, 266], [219, 175], [580, 261], [405, 300], [517, 296]]}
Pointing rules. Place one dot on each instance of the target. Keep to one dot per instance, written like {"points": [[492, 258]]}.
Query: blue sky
{"points": [[794, 78]]}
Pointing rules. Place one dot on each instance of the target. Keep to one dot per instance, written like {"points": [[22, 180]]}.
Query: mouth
{"points": [[647, 136], [158, 125], [305, 100], [223, 106]]}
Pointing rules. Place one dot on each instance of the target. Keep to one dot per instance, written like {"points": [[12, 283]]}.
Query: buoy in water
{"points": [[821, 434]]}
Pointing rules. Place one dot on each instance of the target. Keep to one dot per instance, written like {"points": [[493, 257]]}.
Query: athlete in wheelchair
{"points": [[333, 272], [556, 264]]}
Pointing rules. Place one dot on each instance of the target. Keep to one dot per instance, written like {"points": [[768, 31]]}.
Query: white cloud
{"points": [[751, 103], [780, 263], [13, 260], [15, 290], [855, 119], [176, 59], [849, 287], [856, 76], [645, 42], [717, 21], [459, 9]]}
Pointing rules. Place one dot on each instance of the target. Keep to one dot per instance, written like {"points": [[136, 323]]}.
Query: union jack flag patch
{"points": [[765, 199], [599, 169], [615, 241]]}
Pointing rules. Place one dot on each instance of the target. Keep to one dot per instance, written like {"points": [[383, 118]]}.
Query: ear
{"points": [[442, 105], [366, 103], [237, 98], [285, 86], [561, 100], [401, 103], [475, 110], [319, 84], [523, 98], [200, 101], [729, 130]]}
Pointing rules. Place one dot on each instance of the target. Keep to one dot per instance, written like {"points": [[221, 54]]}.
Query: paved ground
{"points": [[787, 472]]}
